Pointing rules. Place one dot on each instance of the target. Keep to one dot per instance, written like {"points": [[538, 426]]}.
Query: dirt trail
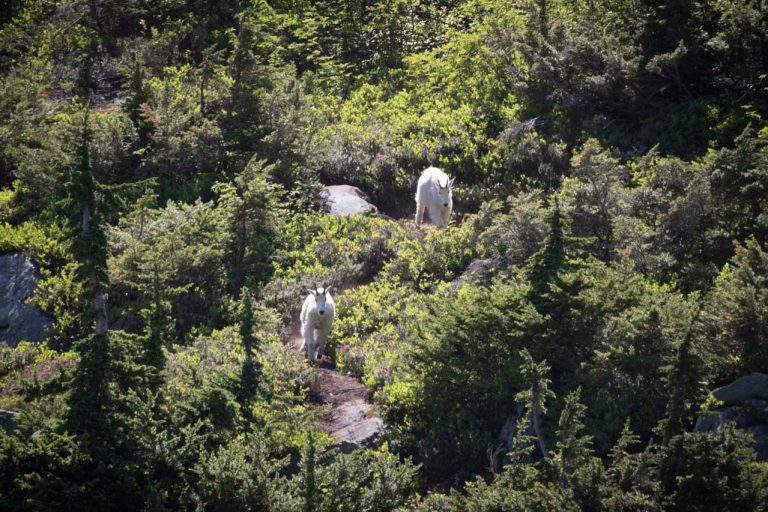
{"points": [[350, 418]]}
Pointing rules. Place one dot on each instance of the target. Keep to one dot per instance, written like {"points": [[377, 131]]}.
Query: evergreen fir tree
{"points": [[535, 397], [251, 370], [159, 327], [682, 383], [630, 482], [573, 448], [308, 479], [90, 397], [136, 96], [548, 261]]}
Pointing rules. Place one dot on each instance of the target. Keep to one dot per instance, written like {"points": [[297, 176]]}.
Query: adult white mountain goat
{"points": [[433, 194], [318, 313]]}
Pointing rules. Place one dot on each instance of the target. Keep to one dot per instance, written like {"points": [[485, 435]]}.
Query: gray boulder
{"points": [[8, 420], [479, 271], [746, 407], [508, 432], [346, 200], [754, 385], [760, 433], [19, 321]]}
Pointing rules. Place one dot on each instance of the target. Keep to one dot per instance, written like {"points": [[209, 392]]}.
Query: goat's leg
{"points": [[420, 212], [303, 338], [435, 216], [446, 216], [322, 334], [309, 341]]}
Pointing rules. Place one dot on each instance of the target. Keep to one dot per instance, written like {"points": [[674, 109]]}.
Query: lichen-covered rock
{"points": [[18, 320], [346, 200]]}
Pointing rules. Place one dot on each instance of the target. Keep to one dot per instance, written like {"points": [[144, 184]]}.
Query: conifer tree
{"points": [[137, 95], [683, 383], [251, 370], [573, 448], [159, 326], [536, 395], [309, 481], [547, 262], [631, 482], [90, 399]]}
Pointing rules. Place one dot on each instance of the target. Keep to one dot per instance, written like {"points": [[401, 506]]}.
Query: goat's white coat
{"points": [[311, 320], [433, 193]]}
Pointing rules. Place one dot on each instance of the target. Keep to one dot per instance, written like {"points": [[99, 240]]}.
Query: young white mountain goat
{"points": [[433, 194], [318, 313]]}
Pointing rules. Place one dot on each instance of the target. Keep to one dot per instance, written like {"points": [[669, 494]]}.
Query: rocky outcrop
{"points": [[19, 321], [346, 200], [745, 405], [8, 420], [351, 421], [752, 386], [508, 432], [479, 271]]}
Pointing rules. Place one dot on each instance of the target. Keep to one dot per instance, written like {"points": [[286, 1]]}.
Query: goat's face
{"points": [[321, 296], [444, 193]]}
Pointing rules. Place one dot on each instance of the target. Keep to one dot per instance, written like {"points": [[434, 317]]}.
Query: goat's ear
{"points": [[313, 292], [328, 288], [450, 182]]}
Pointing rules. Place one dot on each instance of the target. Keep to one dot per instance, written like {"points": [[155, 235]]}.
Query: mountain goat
{"points": [[318, 313], [433, 194]]}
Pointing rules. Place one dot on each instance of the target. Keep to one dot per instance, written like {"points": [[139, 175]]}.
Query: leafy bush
{"points": [[32, 376]]}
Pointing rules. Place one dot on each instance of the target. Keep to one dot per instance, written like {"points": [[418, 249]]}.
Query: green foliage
{"points": [[251, 371], [181, 250], [637, 337], [579, 263], [631, 478], [702, 471], [158, 331], [353, 247], [594, 196], [36, 471], [517, 488], [35, 239], [535, 394], [253, 216], [547, 262], [31, 377], [463, 379], [237, 476], [352, 482], [738, 310]]}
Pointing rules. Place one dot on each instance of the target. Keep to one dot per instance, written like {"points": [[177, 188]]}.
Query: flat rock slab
{"points": [[351, 420], [18, 320], [346, 200]]}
